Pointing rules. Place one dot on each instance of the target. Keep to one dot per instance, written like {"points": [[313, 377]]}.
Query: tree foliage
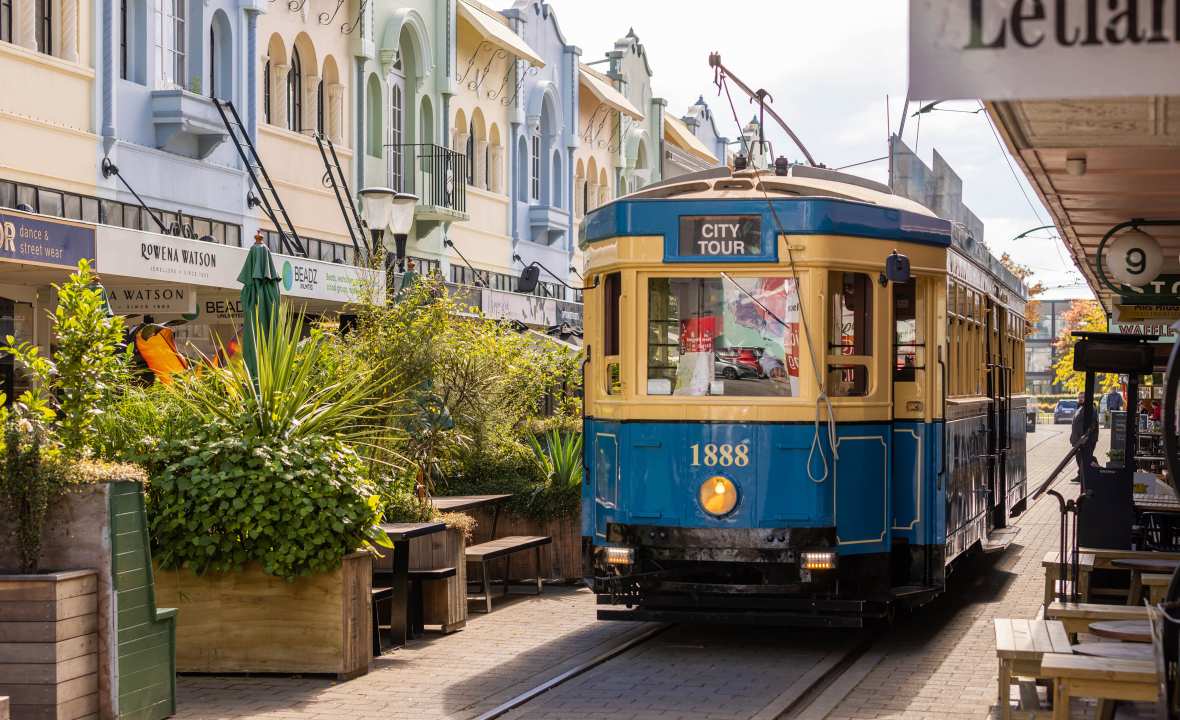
{"points": [[1081, 316], [1032, 311]]}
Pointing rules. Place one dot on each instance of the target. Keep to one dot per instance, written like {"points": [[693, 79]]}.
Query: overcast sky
{"points": [[829, 66]]}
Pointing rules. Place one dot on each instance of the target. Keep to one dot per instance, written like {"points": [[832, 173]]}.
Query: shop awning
{"points": [[682, 137], [492, 26], [601, 88]]}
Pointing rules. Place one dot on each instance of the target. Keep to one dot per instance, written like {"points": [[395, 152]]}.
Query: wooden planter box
{"points": [[444, 602], [49, 644], [560, 561], [251, 622], [102, 529]]}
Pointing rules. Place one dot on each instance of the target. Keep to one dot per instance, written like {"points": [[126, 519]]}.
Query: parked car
{"points": [[727, 367], [1030, 418], [1064, 411]]}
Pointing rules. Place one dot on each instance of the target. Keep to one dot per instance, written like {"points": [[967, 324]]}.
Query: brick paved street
{"points": [[937, 663]]}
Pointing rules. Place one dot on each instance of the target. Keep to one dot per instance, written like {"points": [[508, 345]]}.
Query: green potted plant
{"points": [[69, 515]]}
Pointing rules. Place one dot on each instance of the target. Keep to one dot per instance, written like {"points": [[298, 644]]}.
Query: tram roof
{"points": [[818, 202]]}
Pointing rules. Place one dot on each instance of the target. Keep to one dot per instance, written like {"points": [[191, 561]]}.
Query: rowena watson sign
{"points": [[1043, 49]]}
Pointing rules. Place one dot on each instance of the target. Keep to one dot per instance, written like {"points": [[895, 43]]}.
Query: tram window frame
{"points": [[612, 301], [914, 293], [850, 374]]}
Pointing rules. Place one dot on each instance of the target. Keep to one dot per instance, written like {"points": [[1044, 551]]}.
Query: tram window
{"points": [[612, 290], [852, 314], [848, 380], [908, 340], [723, 336]]}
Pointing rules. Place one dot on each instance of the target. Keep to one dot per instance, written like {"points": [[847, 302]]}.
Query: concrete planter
{"points": [[251, 622], [104, 615]]}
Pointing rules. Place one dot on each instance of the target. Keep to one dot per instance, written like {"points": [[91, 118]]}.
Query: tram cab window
{"points": [[612, 293], [723, 336], [908, 340], [850, 344]]}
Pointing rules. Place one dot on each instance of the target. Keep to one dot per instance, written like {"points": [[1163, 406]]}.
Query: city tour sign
{"points": [[1042, 49]]}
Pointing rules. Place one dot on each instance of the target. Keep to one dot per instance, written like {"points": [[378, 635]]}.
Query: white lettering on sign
{"points": [[721, 247], [720, 236], [720, 230]]}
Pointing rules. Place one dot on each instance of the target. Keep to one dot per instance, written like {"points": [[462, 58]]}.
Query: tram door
{"points": [[1000, 398], [912, 442]]}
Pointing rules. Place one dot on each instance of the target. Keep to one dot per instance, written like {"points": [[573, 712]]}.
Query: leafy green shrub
{"points": [[296, 505], [87, 370]]}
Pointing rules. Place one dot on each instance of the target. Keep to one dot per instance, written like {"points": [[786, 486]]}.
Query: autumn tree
{"points": [[1082, 316]]}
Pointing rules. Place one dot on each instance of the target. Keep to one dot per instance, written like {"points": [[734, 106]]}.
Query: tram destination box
{"points": [[720, 236]]}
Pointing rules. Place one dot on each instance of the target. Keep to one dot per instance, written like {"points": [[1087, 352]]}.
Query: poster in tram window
{"points": [[760, 325], [698, 334]]}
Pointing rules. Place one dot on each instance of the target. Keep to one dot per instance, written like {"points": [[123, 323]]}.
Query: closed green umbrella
{"points": [[260, 299]]}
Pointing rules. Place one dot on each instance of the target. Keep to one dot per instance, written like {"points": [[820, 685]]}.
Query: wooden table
{"points": [[1137, 631], [1140, 565], [1020, 645], [1156, 502], [1155, 586], [401, 534], [459, 503], [1053, 583], [1107, 679], [1119, 650]]}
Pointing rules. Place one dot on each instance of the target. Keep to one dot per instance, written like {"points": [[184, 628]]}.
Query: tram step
{"points": [[913, 595], [999, 540]]}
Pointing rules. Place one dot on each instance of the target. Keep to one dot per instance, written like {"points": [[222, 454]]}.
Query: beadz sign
{"points": [[720, 236], [35, 241]]}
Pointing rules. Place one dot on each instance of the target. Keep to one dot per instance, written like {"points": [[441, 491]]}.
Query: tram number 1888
{"points": [[723, 454]]}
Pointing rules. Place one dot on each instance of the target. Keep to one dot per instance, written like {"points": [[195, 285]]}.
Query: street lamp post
{"points": [[385, 209]]}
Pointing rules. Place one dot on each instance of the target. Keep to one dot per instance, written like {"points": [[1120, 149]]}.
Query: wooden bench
{"points": [[417, 579], [1155, 586], [1106, 679], [1020, 645], [502, 548], [1104, 560], [1052, 567], [1076, 617]]}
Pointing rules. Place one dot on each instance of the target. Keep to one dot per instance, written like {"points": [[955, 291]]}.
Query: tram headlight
{"points": [[718, 495], [620, 556], [818, 560]]}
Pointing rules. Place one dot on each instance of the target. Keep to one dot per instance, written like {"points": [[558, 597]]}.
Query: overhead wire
{"points": [[822, 398]]}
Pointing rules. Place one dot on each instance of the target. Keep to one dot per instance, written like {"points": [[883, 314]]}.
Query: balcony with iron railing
{"points": [[435, 174]]}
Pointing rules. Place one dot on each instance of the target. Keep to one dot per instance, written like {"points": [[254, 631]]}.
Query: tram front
{"points": [[733, 336]]}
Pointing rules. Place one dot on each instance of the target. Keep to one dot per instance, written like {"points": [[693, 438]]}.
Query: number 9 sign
{"points": [[1134, 258]]}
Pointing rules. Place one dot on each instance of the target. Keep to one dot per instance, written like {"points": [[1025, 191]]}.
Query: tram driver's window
{"points": [[850, 343], [908, 339], [731, 336], [612, 292]]}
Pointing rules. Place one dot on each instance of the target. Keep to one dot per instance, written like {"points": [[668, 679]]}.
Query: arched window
{"points": [[373, 119], [535, 169], [319, 107], [220, 57], [487, 166], [470, 152], [266, 90], [397, 118], [586, 197], [558, 197], [294, 97]]}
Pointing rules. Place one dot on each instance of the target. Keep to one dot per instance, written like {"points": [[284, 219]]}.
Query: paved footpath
{"points": [[937, 663]]}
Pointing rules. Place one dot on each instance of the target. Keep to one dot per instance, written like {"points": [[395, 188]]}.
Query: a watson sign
{"points": [[1047, 49]]}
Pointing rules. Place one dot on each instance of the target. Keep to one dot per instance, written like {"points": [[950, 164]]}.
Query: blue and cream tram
{"points": [[774, 431]]}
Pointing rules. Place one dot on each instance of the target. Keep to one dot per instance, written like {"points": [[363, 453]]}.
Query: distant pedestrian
{"points": [[1114, 400], [1078, 430]]}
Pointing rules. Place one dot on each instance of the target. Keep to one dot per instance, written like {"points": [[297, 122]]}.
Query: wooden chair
{"points": [[1106, 679], [1020, 646]]}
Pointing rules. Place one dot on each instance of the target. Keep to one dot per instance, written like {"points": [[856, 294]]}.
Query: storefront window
{"points": [[1039, 359], [723, 336]]}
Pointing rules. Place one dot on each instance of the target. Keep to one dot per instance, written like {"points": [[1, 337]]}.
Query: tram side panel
{"points": [[968, 481], [918, 502], [1017, 471]]}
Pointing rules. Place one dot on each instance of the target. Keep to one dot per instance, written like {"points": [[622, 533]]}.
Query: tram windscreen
{"points": [[723, 336]]}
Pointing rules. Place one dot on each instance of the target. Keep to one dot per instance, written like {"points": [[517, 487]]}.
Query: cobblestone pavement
{"points": [[937, 663]]}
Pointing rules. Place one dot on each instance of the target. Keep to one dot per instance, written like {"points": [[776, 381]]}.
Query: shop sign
{"points": [[151, 299], [149, 256], [220, 309], [1145, 320], [528, 309], [570, 313], [28, 239], [1163, 290], [1030, 49], [334, 282]]}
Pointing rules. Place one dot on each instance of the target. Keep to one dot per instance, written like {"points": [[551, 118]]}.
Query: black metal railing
{"points": [[437, 175]]}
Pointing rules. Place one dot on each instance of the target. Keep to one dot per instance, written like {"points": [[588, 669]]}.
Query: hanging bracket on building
{"points": [[109, 169], [594, 125], [1134, 224], [296, 5], [521, 76], [326, 18], [360, 16], [492, 54]]}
